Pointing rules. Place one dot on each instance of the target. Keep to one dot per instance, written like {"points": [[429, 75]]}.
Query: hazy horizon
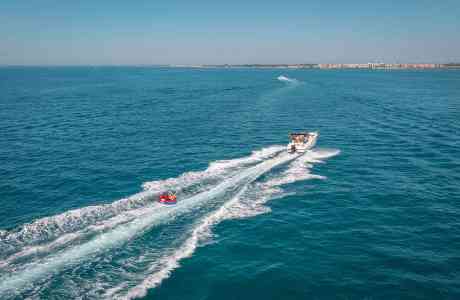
{"points": [[269, 32]]}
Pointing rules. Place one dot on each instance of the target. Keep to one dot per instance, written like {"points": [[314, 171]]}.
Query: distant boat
{"points": [[286, 79], [283, 78], [302, 141]]}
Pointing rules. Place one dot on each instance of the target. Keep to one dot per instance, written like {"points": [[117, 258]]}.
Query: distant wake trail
{"points": [[23, 279], [283, 78]]}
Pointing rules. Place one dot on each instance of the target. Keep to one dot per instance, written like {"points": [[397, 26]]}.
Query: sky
{"points": [[103, 32]]}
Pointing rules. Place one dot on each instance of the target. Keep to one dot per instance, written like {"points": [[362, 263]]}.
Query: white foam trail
{"points": [[171, 262], [33, 250], [322, 153], [18, 280], [52, 227], [68, 238], [300, 168], [287, 79], [220, 167], [238, 207], [253, 203]]}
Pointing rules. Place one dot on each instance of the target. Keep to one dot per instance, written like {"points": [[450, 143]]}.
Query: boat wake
{"points": [[101, 216], [77, 240], [287, 79]]}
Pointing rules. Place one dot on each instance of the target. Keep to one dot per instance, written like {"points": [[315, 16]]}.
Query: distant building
{"points": [[379, 65]]}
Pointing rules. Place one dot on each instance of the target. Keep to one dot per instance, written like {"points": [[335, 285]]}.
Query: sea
{"points": [[371, 212]]}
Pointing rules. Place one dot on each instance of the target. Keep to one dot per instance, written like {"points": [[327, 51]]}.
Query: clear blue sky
{"points": [[61, 32]]}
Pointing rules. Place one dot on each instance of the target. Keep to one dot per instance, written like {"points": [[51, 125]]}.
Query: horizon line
{"points": [[213, 65]]}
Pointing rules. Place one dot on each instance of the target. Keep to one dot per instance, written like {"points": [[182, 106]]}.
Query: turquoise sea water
{"points": [[371, 213]]}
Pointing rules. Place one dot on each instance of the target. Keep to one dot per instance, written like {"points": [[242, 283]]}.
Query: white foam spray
{"points": [[17, 281], [248, 202], [287, 79], [171, 262], [253, 202], [53, 227]]}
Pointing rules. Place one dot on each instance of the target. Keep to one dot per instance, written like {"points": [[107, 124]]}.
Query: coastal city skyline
{"points": [[372, 66]]}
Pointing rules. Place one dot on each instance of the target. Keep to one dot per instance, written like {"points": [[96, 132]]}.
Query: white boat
{"points": [[302, 141]]}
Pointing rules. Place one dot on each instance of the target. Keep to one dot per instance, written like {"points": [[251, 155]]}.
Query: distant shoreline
{"points": [[369, 66]]}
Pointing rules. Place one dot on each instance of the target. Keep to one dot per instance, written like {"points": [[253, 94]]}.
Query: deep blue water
{"points": [[371, 213]]}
